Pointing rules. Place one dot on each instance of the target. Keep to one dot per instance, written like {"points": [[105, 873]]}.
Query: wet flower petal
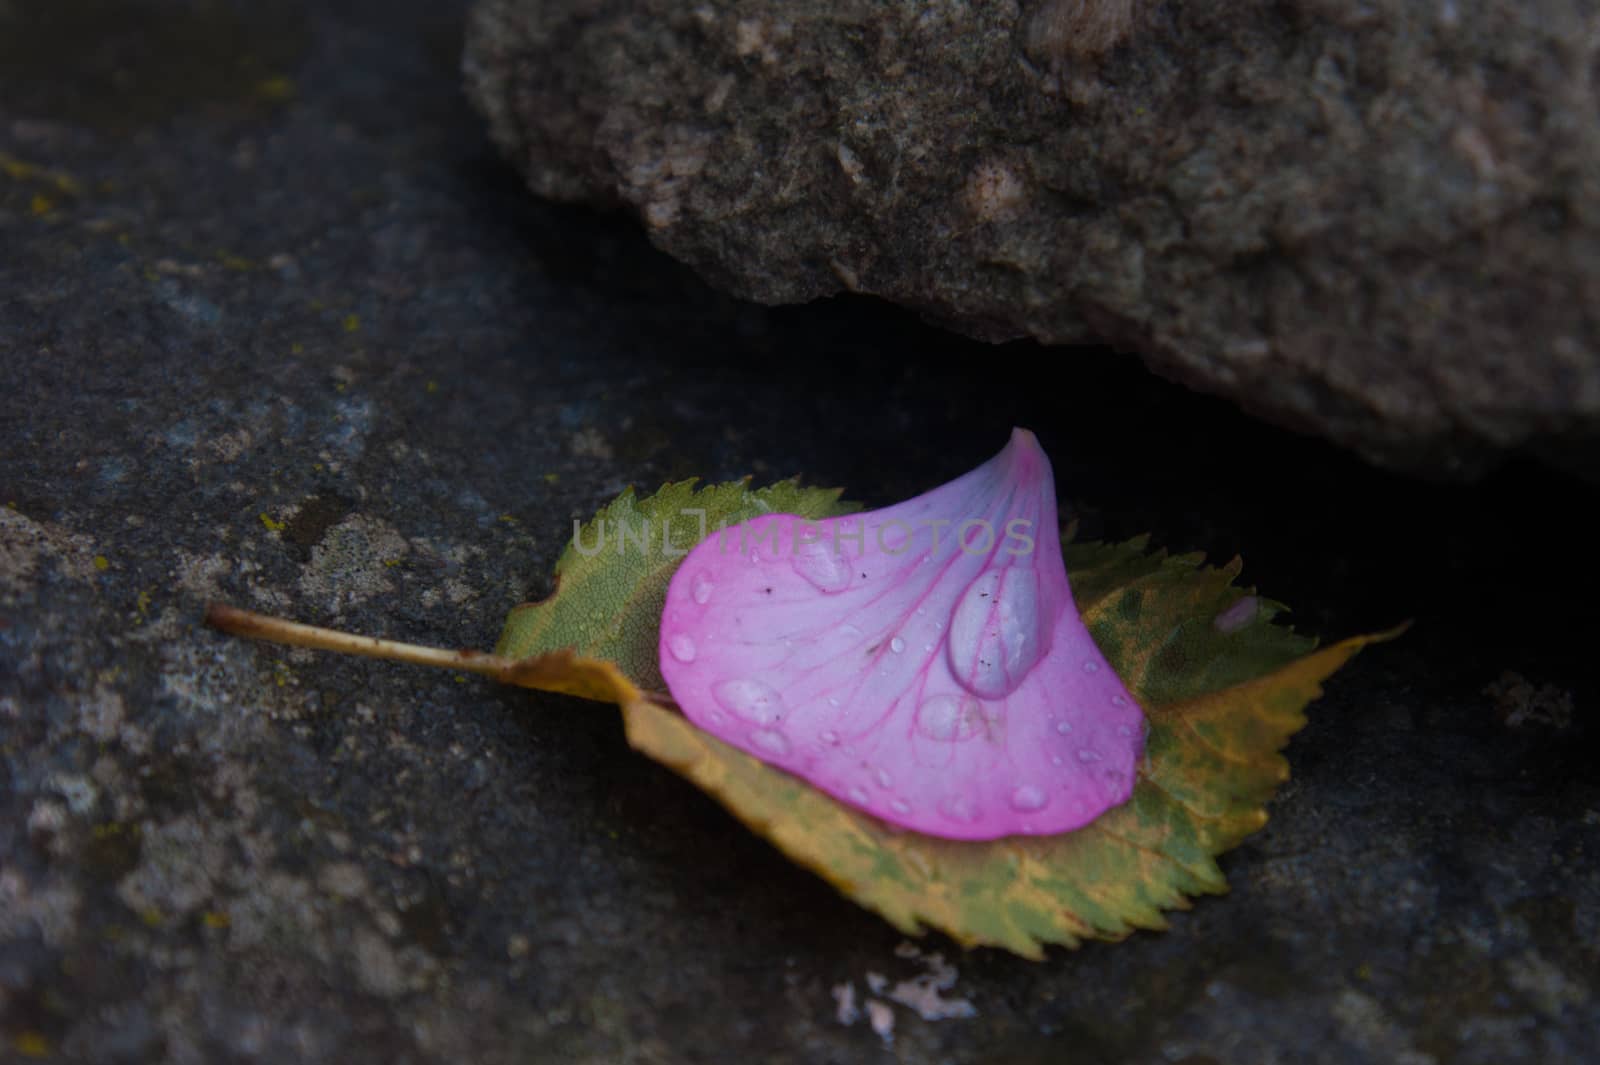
{"points": [[924, 662]]}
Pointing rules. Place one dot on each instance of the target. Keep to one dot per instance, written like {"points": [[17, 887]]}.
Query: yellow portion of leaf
{"points": [[1194, 799]]}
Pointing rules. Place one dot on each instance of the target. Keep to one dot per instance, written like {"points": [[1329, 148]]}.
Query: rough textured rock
{"points": [[1378, 220], [276, 326]]}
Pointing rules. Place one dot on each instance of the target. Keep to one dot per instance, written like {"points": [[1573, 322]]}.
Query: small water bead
{"points": [[681, 646], [770, 740], [700, 588], [900, 806], [1091, 666], [897, 645], [823, 566], [1086, 756], [1063, 728], [858, 796], [883, 778], [1119, 700], [1125, 731], [751, 700], [830, 737], [1028, 798], [833, 700], [1055, 759]]}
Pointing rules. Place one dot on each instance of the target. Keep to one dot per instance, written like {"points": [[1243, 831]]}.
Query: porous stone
{"points": [[1375, 220]]}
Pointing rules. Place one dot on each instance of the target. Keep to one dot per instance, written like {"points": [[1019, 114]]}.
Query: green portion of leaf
{"points": [[1220, 706], [611, 582]]}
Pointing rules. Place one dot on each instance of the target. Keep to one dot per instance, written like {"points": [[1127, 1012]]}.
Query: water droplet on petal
{"points": [[681, 646], [749, 699], [947, 718], [998, 631], [1125, 731], [1119, 700], [833, 700], [900, 806], [1028, 798], [1063, 727], [1091, 666], [822, 565], [1086, 756], [858, 796], [1055, 759], [700, 588], [883, 778], [897, 645], [830, 737], [770, 740]]}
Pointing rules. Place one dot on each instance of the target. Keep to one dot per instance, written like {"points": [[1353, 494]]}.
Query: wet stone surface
{"points": [[283, 331]]}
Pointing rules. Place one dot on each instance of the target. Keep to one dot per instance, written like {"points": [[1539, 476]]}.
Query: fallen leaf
{"points": [[1223, 687]]}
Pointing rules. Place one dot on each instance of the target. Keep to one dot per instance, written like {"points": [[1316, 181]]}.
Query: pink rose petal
{"points": [[924, 662]]}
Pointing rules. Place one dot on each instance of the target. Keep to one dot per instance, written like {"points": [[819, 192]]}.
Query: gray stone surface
{"points": [[261, 262], [1375, 220]]}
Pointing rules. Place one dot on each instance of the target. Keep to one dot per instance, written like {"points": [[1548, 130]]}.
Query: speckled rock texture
{"points": [[278, 327], [1375, 220]]}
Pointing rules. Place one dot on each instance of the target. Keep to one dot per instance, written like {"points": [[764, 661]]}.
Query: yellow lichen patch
{"points": [[275, 89], [271, 524], [31, 1045]]}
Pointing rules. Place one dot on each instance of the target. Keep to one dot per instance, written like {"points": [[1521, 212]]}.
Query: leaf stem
{"points": [[255, 626]]}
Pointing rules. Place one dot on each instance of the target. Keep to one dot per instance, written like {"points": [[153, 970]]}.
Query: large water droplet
{"points": [[700, 588], [770, 740], [823, 564], [951, 719], [751, 700], [997, 631], [1028, 798], [681, 646], [897, 645]]}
